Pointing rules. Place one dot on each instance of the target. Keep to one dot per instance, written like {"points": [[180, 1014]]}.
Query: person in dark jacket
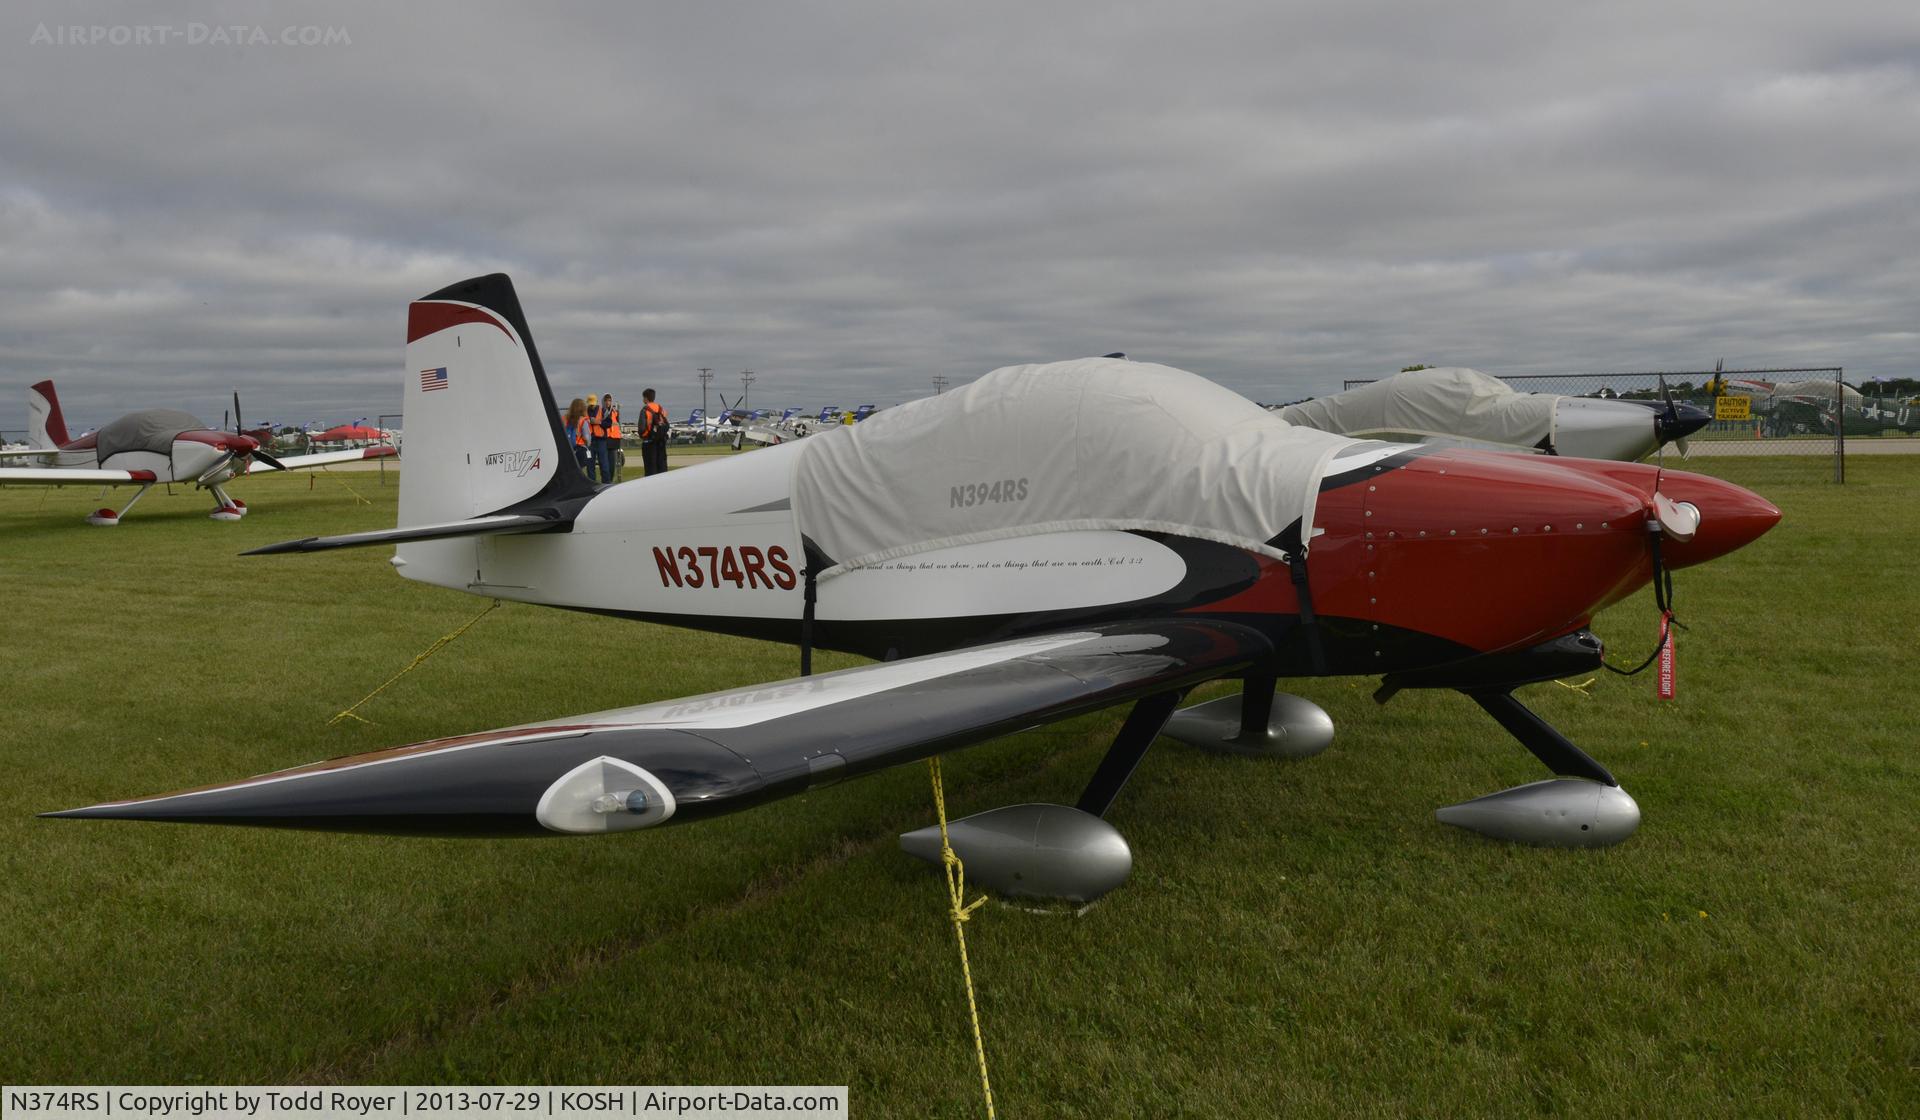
{"points": [[653, 434]]}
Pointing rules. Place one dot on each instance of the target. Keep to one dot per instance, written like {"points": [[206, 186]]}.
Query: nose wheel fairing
{"points": [[226, 507], [1552, 813], [1584, 806]]}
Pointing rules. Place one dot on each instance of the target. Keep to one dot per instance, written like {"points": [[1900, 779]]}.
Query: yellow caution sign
{"points": [[1733, 408]]}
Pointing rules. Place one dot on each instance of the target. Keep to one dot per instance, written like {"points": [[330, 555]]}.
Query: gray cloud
{"points": [[851, 198]]}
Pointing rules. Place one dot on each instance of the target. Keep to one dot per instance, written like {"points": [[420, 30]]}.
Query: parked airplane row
{"points": [[1822, 406], [153, 446], [760, 425], [1046, 541]]}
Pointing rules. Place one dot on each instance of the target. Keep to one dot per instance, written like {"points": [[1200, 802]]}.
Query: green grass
{"points": [[1298, 938]]}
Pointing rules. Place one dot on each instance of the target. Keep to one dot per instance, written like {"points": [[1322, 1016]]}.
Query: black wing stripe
{"points": [[483, 787]]}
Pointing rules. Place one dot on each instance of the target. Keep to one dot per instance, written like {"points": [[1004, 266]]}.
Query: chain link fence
{"points": [[1807, 411]]}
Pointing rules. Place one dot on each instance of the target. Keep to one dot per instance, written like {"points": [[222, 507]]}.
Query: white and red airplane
{"points": [[1046, 541], [147, 448]]}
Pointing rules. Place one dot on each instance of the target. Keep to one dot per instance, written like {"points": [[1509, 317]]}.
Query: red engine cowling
{"points": [[1497, 551]]}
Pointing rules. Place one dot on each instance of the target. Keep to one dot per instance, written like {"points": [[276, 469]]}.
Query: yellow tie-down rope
{"points": [[436, 647], [343, 484], [960, 910]]}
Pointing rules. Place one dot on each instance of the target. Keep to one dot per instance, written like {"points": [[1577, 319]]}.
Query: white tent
{"points": [[1095, 443], [1454, 403]]}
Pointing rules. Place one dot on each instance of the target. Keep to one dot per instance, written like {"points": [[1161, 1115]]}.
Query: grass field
{"points": [[1297, 939]]}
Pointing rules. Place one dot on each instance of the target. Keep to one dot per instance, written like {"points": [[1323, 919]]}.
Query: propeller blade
{"points": [[238, 424], [215, 469], [269, 460]]}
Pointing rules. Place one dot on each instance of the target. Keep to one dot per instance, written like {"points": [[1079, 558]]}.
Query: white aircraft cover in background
{"points": [[1460, 407]]}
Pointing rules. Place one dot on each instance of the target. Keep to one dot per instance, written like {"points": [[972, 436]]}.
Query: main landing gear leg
{"points": [[1582, 808], [1055, 852], [1143, 726], [1257, 722], [104, 516]]}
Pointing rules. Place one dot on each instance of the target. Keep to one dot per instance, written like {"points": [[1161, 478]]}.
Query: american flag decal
{"points": [[431, 379]]}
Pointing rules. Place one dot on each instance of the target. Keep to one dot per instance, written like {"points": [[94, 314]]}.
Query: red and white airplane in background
{"points": [[354, 434], [153, 445]]}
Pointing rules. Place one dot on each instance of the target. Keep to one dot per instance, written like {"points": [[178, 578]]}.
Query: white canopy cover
{"points": [[1452, 403], [1096, 443]]}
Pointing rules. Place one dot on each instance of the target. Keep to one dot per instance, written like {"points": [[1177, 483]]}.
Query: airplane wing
{"points": [[698, 757], [324, 458], [61, 476]]}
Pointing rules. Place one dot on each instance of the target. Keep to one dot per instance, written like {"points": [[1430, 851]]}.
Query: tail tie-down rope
{"points": [[443, 642]]}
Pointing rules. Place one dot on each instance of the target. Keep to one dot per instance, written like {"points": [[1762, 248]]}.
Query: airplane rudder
{"points": [[484, 432], [46, 426]]}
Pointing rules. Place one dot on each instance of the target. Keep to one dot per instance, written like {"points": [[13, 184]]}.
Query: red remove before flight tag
{"points": [[1664, 686]]}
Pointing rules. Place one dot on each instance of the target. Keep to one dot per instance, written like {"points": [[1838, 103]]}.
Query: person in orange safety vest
{"points": [[576, 425], [603, 426]]}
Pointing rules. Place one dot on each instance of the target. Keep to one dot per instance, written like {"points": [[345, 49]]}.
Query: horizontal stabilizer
{"points": [[498, 523]]}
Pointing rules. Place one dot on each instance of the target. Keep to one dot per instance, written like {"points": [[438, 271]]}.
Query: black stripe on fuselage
{"points": [[1214, 573], [1362, 474]]}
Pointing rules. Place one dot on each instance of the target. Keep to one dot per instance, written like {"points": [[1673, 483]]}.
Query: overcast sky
{"points": [[851, 198]]}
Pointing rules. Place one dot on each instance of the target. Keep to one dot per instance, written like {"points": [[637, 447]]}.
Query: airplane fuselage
{"points": [[1528, 549], [203, 457]]}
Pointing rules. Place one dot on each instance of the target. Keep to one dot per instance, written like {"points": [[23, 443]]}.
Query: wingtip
{"points": [[103, 811], [280, 547]]}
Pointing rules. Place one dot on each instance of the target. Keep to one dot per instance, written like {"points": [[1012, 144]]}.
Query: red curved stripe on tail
{"points": [[56, 423], [425, 317]]}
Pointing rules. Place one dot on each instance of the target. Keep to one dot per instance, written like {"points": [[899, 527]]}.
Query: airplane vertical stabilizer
{"points": [[483, 432], [46, 428]]}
